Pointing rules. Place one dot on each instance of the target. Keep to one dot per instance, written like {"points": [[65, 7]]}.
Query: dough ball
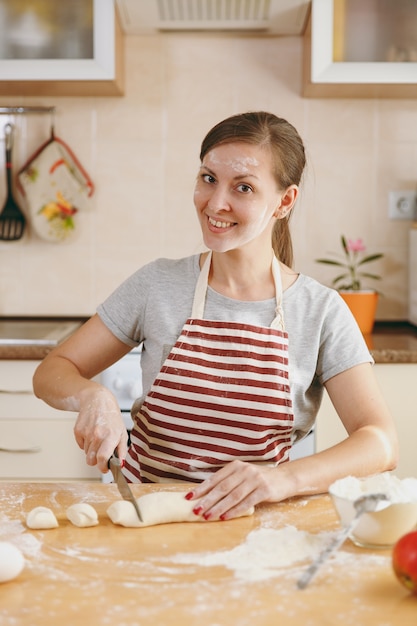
{"points": [[41, 517], [160, 507], [82, 515], [11, 561]]}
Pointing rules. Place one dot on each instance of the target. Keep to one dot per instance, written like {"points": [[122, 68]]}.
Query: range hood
{"points": [[269, 17]]}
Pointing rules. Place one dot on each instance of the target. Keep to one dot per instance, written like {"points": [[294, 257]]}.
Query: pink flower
{"points": [[352, 263], [356, 245]]}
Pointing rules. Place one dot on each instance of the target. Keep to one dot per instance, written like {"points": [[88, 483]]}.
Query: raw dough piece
{"points": [[82, 515], [11, 561], [160, 507], [41, 517]]}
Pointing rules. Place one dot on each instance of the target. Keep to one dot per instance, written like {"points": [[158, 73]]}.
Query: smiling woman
{"points": [[237, 347]]}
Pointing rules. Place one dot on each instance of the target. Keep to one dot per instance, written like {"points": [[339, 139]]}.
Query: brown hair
{"points": [[287, 149]]}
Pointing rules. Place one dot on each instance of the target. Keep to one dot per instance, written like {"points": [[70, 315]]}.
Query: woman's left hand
{"points": [[234, 489]]}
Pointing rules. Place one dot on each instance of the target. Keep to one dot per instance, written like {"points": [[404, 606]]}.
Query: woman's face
{"points": [[236, 196]]}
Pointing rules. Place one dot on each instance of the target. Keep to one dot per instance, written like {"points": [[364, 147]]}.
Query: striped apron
{"points": [[222, 394]]}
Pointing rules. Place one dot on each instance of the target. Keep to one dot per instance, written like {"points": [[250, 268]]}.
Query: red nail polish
{"points": [[223, 517], [197, 510], [207, 516], [122, 462], [189, 495]]}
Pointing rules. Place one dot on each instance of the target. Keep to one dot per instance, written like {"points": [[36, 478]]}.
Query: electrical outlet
{"points": [[402, 205]]}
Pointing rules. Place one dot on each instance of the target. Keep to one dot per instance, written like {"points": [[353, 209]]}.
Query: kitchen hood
{"points": [[267, 17]]}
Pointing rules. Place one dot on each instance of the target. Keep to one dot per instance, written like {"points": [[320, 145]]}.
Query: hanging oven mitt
{"points": [[56, 188]]}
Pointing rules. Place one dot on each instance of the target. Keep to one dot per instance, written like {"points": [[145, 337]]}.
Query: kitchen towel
{"points": [[56, 187]]}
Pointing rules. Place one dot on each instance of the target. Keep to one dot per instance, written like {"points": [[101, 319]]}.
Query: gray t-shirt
{"points": [[152, 305]]}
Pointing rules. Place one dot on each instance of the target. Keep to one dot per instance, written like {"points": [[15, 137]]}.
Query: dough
{"points": [[82, 515], [41, 517], [11, 561], [160, 507]]}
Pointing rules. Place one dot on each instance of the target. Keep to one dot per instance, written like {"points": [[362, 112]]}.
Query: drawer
{"points": [[42, 450], [25, 405], [17, 375]]}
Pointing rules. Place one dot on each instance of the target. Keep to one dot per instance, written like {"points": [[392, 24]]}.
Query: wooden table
{"points": [[109, 575]]}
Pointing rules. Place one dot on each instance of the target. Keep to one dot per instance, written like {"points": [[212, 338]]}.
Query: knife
{"points": [[122, 484]]}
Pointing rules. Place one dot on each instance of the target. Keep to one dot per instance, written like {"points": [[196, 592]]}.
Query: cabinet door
{"points": [[36, 441], [17, 399], [42, 450], [330, 70], [398, 385], [91, 65], [16, 375]]}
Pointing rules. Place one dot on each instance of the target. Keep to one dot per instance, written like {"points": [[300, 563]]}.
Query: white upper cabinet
{"points": [[361, 48], [60, 48]]}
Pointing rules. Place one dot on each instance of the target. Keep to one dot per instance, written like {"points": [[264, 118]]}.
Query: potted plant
{"points": [[362, 302]]}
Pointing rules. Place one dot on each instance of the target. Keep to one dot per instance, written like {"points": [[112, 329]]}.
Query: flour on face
{"points": [[241, 165]]}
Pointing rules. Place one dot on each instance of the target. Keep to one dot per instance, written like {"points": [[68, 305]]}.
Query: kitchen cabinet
{"points": [[86, 60], [398, 384], [36, 441], [361, 49]]}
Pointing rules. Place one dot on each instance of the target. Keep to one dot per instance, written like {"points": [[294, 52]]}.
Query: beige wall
{"points": [[142, 152]]}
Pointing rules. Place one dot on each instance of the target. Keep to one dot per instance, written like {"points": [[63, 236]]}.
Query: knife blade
{"points": [[122, 484]]}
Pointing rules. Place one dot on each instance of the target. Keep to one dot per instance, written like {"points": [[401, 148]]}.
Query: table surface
{"points": [[167, 575]]}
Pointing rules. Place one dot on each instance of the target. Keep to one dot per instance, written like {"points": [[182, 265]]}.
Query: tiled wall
{"points": [[142, 153]]}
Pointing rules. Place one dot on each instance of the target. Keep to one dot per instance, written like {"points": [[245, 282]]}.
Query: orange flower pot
{"points": [[363, 306]]}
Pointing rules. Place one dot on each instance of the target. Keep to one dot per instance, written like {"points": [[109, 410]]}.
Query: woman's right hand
{"points": [[65, 380], [99, 428]]}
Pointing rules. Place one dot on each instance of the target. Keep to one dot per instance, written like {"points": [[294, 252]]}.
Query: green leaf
{"points": [[330, 262], [366, 275], [344, 245], [367, 259], [339, 278]]}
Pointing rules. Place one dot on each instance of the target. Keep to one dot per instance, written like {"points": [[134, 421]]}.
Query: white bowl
{"points": [[391, 520]]}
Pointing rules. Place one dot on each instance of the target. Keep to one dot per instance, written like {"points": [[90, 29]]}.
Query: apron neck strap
{"points": [[278, 321], [201, 290], [202, 284]]}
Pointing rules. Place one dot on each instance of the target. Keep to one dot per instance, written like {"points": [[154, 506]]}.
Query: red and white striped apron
{"points": [[222, 394]]}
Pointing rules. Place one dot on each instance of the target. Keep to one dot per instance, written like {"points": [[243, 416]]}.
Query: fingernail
{"points": [[207, 516], [122, 462], [197, 510], [189, 495], [223, 517]]}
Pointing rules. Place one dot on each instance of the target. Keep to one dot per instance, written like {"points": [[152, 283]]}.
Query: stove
{"points": [[124, 380]]}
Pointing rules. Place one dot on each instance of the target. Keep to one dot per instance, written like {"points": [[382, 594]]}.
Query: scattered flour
{"points": [[264, 553], [29, 545], [396, 490]]}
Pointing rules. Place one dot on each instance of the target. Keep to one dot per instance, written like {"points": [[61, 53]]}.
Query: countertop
{"points": [[189, 574], [32, 338], [391, 342]]}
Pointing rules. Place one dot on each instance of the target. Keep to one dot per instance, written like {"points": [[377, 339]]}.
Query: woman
{"points": [[236, 347]]}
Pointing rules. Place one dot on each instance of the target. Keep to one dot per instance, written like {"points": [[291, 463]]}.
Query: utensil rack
{"points": [[24, 110], [30, 109]]}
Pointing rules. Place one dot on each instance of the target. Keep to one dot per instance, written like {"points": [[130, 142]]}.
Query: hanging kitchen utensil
{"points": [[56, 188], [12, 220]]}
